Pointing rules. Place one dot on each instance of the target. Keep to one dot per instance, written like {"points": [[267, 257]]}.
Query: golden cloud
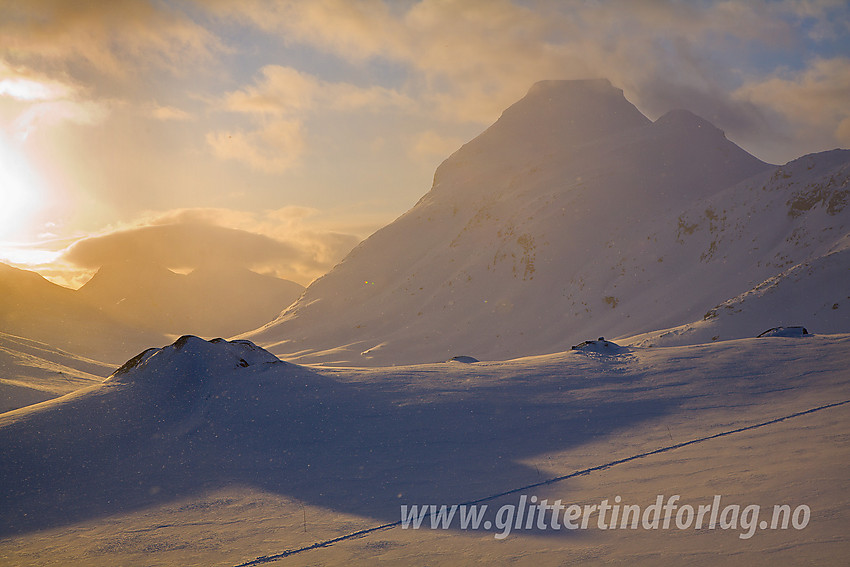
{"points": [[430, 144], [106, 35], [168, 113], [279, 95], [282, 91], [278, 242], [39, 99], [275, 147], [23, 84], [356, 28]]}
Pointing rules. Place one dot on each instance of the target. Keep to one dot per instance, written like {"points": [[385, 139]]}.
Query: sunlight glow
{"points": [[25, 89], [20, 196], [26, 256]]}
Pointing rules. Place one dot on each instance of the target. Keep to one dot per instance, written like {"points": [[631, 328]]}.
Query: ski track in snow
{"points": [[362, 533]]}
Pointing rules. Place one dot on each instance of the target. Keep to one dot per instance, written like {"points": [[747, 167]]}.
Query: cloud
{"points": [[80, 62], [39, 99], [114, 37], [813, 102], [180, 246], [24, 84], [278, 101], [55, 112], [168, 113], [460, 49], [285, 91], [429, 144], [359, 29], [275, 147], [279, 91], [278, 242]]}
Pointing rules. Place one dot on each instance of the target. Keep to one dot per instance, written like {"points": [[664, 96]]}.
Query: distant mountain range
{"points": [[211, 301], [130, 306], [575, 216], [32, 307]]}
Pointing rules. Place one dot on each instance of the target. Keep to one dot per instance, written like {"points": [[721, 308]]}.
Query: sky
{"points": [[276, 135]]}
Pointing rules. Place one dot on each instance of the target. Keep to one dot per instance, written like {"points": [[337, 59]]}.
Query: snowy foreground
{"points": [[217, 453]]}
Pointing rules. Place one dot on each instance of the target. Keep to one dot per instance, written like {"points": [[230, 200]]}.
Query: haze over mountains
{"points": [[213, 300], [128, 306], [575, 216], [37, 309]]}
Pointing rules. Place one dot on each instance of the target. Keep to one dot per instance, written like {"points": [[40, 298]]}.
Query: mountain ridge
{"points": [[148, 295], [35, 308], [527, 254]]}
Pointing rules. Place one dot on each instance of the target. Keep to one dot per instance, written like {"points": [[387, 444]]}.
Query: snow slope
{"points": [[789, 233], [574, 216], [216, 453], [32, 372]]}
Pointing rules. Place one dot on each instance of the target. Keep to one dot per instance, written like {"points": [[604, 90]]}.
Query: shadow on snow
{"points": [[358, 448]]}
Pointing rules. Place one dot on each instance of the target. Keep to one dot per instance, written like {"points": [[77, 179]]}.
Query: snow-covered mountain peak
{"points": [[576, 131], [559, 116], [567, 113], [581, 110], [574, 215], [191, 356]]}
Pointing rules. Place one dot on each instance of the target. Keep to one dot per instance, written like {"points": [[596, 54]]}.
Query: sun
{"points": [[20, 195]]}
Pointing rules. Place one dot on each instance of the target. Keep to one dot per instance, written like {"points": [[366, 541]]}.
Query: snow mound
{"points": [[785, 332], [192, 356]]}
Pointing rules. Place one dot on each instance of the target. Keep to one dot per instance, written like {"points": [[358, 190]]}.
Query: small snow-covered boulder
{"points": [[599, 345], [463, 359], [785, 332]]}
